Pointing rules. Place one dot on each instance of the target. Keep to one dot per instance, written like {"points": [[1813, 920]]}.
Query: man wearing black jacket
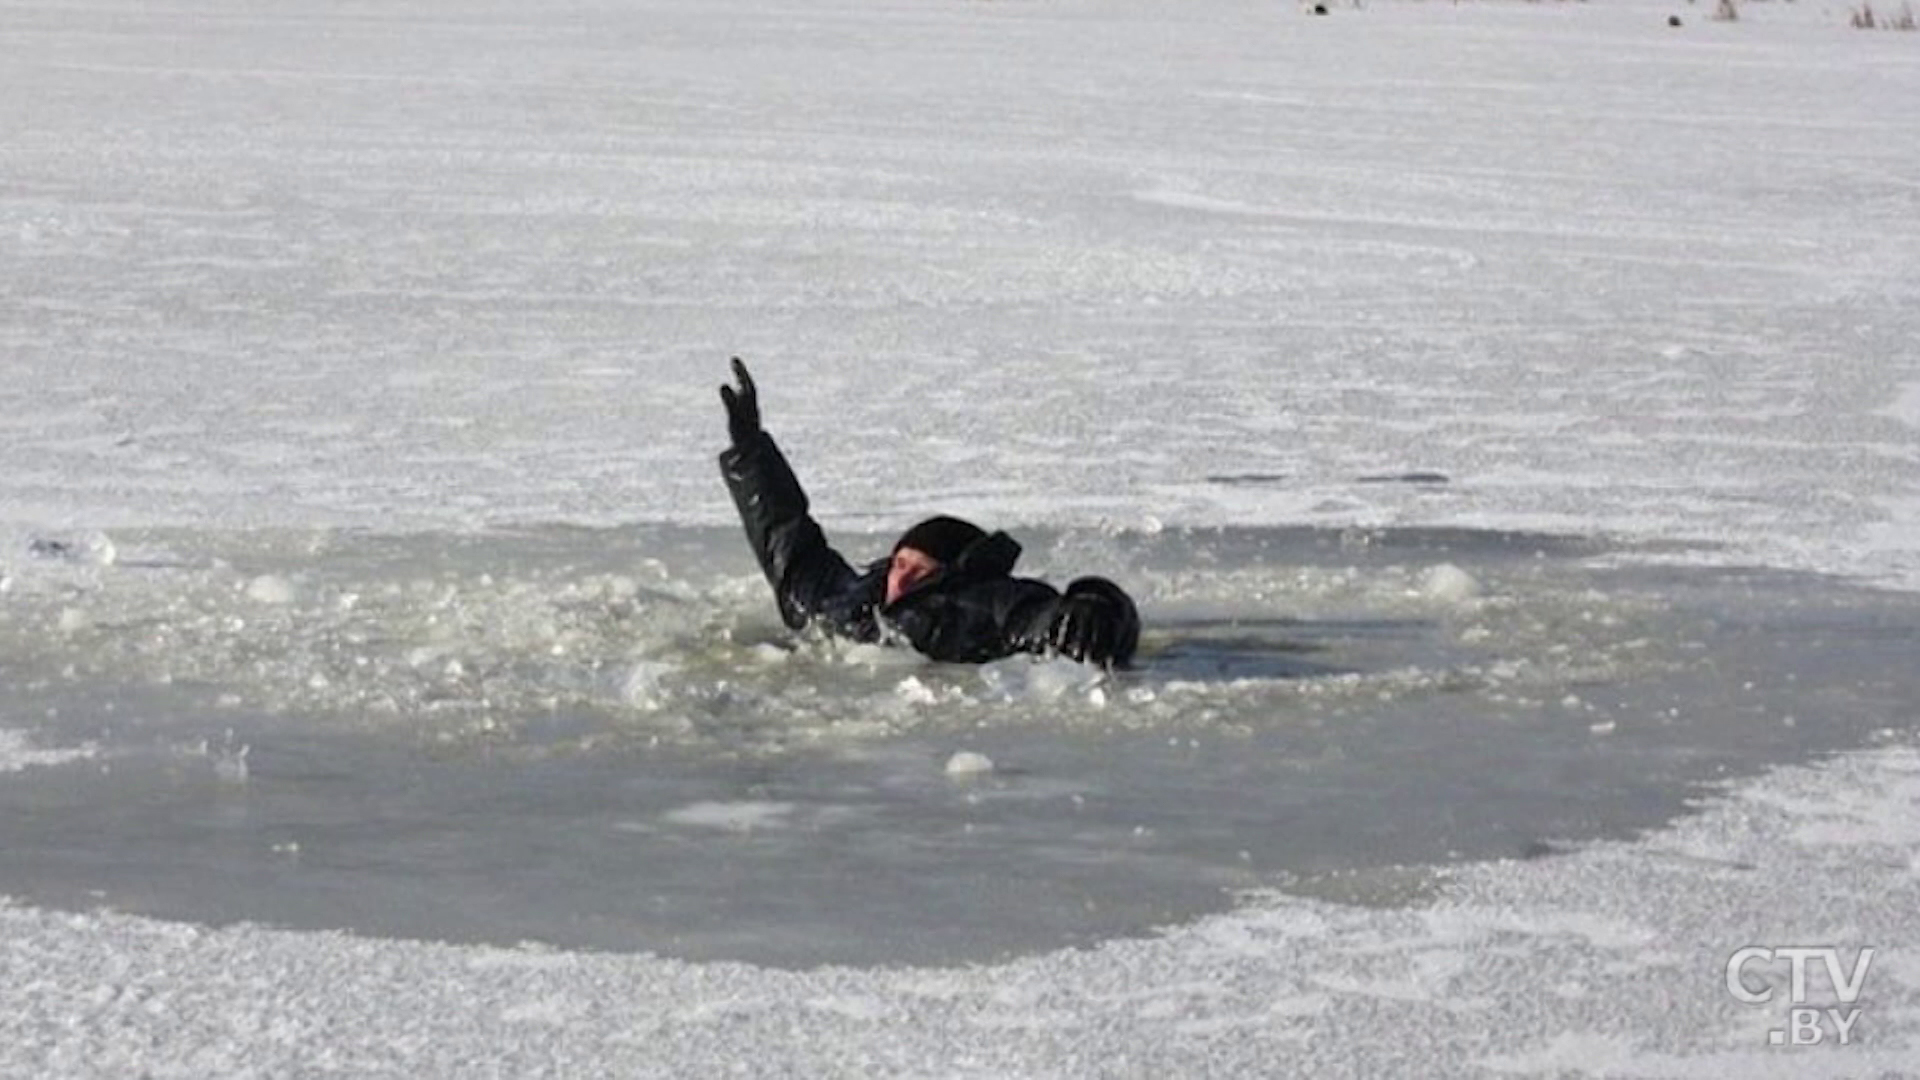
{"points": [[947, 587]]}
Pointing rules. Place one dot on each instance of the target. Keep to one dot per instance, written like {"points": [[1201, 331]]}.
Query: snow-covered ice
{"points": [[356, 392]]}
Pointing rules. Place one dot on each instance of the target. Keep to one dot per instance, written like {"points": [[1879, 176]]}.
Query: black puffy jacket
{"points": [[973, 610]]}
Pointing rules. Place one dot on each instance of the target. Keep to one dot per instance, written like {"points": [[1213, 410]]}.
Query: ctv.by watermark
{"points": [[1754, 974]]}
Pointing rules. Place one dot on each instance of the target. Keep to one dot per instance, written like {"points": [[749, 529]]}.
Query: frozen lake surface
{"points": [[1507, 412], [603, 739]]}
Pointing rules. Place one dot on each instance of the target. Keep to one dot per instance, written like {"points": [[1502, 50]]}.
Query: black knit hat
{"points": [[942, 537]]}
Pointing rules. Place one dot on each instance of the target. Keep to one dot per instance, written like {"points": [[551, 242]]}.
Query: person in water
{"points": [[947, 586]]}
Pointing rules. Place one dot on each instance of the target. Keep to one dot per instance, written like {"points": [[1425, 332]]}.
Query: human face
{"points": [[910, 566]]}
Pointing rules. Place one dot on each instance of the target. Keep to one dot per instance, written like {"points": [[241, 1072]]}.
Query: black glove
{"points": [[743, 406], [1096, 623]]}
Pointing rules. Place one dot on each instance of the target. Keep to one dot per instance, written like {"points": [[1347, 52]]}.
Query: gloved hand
{"points": [[743, 406], [1096, 623]]}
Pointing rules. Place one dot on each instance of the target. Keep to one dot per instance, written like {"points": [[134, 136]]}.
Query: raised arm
{"points": [[792, 550]]}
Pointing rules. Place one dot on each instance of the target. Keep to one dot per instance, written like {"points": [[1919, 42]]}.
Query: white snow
{"points": [[1450, 584], [17, 751], [271, 589], [968, 763], [1097, 264], [1906, 405]]}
